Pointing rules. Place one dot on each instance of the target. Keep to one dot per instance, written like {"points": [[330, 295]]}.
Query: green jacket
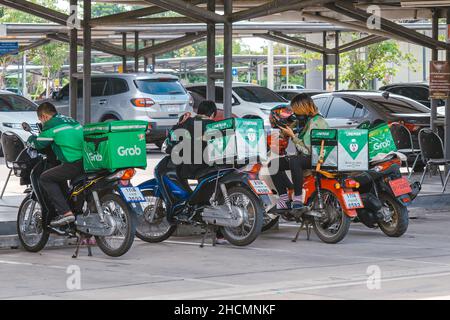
{"points": [[64, 134], [303, 141]]}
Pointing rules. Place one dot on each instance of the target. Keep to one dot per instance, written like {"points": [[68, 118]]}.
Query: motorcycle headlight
{"points": [[12, 125]]}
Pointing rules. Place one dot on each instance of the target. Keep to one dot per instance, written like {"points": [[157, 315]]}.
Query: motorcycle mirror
{"points": [[26, 127]]}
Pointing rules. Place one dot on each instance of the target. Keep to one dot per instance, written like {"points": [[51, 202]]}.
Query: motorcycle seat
{"points": [[202, 173], [87, 176]]}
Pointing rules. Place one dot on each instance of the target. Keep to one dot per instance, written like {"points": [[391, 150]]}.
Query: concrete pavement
{"points": [[416, 266]]}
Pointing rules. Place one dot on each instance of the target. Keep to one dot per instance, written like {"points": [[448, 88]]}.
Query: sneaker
{"points": [[222, 241], [62, 220], [283, 202]]}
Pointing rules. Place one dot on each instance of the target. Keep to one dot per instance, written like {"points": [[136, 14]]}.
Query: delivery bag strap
{"points": [[96, 141]]}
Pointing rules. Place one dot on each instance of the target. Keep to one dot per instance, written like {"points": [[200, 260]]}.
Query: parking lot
{"points": [[366, 265]]}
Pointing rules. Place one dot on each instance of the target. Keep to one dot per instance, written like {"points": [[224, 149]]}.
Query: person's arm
{"points": [[304, 145], [42, 141]]}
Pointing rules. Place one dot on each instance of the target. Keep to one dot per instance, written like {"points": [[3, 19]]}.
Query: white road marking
{"points": [[31, 264], [226, 246], [437, 298]]}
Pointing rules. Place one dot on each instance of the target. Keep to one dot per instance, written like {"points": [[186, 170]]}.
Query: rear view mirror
{"points": [[26, 127]]}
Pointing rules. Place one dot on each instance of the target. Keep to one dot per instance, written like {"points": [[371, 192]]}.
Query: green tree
{"points": [[378, 61], [51, 57]]}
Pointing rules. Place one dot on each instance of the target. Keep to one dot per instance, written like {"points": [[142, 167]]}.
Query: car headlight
{"points": [[12, 125]]}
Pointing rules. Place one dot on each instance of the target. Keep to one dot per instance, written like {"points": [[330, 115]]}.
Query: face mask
{"points": [[302, 120]]}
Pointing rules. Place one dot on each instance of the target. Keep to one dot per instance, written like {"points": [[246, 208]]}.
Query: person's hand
{"points": [[288, 131]]}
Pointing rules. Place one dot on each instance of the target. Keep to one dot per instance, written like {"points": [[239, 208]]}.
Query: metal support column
{"points": [[73, 61], [153, 57], [228, 59], [136, 48], [24, 75], [324, 63], [87, 42], [447, 108], [211, 55], [434, 57], [124, 47], [336, 66], [145, 58]]}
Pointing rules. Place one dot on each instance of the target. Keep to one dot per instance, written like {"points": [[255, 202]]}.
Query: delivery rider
{"points": [[65, 136]]}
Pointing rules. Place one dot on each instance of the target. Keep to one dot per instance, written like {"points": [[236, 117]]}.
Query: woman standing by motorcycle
{"points": [[307, 118]]}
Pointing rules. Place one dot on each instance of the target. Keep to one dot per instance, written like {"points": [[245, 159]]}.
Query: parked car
{"points": [[419, 92], [347, 109], [291, 87], [288, 94], [249, 100], [15, 109], [159, 99], [15, 90]]}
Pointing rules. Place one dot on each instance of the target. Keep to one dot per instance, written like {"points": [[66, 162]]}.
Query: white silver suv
{"points": [[157, 98]]}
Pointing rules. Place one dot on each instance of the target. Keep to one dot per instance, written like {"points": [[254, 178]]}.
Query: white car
{"points": [[14, 110], [249, 100]]}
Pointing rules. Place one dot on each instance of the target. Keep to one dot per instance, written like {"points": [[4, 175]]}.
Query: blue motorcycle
{"points": [[225, 199]]}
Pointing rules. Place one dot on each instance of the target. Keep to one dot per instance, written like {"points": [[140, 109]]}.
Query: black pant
{"points": [[54, 182], [297, 164]]}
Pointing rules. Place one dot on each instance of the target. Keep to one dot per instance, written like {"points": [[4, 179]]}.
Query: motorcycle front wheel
{"points": [[153, 226], [333, 226], [33, 235], [120, 242], [398, 224], [253, 211]]}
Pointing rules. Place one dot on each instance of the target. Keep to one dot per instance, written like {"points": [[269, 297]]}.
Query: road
{"points": [[366, 265], [416, 266]]}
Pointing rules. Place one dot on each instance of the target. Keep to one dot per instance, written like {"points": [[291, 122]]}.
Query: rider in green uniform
{"points": [[65, 136]]}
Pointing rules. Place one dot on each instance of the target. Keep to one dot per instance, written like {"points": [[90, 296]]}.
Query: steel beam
{"points": [[87, 42], [136, 49], [37, 10], [324, 62], [291, 41], [363, 42], [153, 57], [144, 21], [447, 107], [434, 57], [73, 62], [97, 45], [227, 60], [171, 45], [36, 44], [336, 66], [274, 7], [133, 14], [188, 10], [124, 48], [347, 9], [211, 55]]}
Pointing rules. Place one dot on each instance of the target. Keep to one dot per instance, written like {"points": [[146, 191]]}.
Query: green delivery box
{"points": [[344, 149], [330, 152], [235, 139], [114, 145], [380, 140]]}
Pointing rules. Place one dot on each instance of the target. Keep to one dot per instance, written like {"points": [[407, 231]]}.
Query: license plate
{"points": [[172, 108], [353, 200], [132, 194], [400, 186], [260, 187]]}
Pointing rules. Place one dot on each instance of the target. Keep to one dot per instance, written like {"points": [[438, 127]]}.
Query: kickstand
{"points": [[307, 226], [213, 231], [298, 232], [80, 238], [77, 249]]}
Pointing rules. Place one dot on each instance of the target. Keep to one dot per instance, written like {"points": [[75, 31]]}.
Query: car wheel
{"points": [[109, 118]]}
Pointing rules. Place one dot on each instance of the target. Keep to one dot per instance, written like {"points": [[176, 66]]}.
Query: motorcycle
{"points": [[386, 196], [225, 199], [330, 202], [101, 201]]}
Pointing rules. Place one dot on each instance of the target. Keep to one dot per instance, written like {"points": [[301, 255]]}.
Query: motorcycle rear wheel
{"points": [[400, 217], [41, 233], [334, 226], [114, 206], [159, 229], [252, 225]]}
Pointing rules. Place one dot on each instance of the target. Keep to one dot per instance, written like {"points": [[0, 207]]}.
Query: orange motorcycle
{"points": [[331, 200]]}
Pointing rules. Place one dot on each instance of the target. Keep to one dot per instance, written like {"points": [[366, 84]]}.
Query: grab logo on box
{"points": [[95, 157], [125, 152]]}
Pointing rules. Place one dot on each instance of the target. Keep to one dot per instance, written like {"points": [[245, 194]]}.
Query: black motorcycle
{"points": [[100, 201], [386, 195]]}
